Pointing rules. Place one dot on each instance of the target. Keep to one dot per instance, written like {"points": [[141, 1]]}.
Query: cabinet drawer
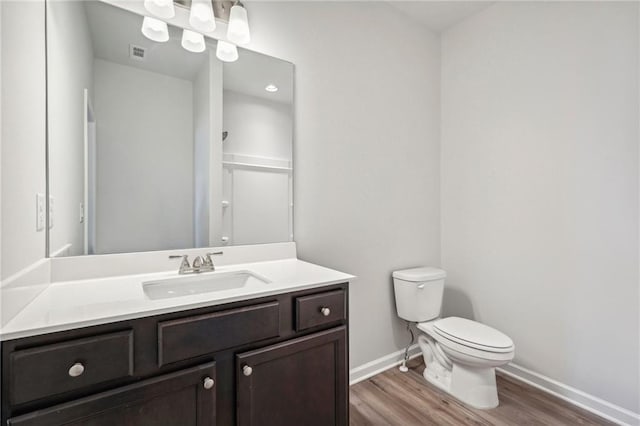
{"points": [[61, 367], [185, 398], [205, 334], [319, 309]]}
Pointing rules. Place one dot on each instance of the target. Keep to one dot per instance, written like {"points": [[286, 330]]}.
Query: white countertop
{"points": [[73, 304]]}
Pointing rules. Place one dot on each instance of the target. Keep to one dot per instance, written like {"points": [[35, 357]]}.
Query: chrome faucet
{"points": [[185, 268], [199, 264], [208, 262]]}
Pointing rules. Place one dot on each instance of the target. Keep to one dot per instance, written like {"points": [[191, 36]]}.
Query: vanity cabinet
{"points": [[297, 382], [185, 398], [278, 360]]}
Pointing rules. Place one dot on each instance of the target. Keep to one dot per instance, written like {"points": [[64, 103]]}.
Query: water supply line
{"points": [[403, 367]]}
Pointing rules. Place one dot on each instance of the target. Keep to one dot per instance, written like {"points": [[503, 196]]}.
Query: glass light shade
{"points": [[161, 8], [226, 51], [155, 29], [193, 42], [238, 30], [201, 16]]}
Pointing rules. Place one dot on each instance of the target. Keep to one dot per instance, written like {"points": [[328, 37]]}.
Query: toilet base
{"points": [[475, 387]]}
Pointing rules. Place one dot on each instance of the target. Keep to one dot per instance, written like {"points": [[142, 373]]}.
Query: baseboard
{"points": [[572, 395], [379, 365]]}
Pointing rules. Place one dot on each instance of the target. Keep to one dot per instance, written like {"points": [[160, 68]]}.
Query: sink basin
{"points": [[203, 283]]}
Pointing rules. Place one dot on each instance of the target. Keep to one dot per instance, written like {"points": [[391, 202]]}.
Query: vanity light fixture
{"points": [[226, 51], [271, 88], [193, 41], [161, 8], [155, 29], [201, 15], [202, 19], [238, 30]]}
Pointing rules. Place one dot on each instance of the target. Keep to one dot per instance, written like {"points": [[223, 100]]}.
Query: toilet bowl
{"points": [[462, 359], [460, 355]]}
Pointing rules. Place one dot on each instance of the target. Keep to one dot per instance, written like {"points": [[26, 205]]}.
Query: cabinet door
{"points": [[185, 398], [299, 382]]}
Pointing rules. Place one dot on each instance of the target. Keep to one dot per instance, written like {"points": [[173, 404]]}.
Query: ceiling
{"points": [[440, 15], [114, 30], [252, 72]]}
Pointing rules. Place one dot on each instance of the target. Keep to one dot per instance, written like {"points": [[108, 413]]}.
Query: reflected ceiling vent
{"points": [[137, 52]]}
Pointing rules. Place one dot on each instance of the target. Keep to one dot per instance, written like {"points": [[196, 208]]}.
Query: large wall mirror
{"points": [[153, 147]]}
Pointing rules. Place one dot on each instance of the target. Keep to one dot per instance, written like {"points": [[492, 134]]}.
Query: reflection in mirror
{"points": [[152, 147]]}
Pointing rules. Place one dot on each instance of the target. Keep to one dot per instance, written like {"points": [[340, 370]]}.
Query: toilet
{"points": [[460, 355]]}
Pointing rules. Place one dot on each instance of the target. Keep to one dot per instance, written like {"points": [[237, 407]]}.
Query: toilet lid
{"points": [[473, 334]]}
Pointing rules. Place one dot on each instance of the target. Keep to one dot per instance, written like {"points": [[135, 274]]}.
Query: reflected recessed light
{"points": [[271, 88]]}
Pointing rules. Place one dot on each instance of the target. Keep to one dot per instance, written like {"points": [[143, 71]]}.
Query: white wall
{"points": [[257, 127], [202, 127], [366, 148], [23, 132], [70, 71], [261, 130], [540, 186], [145, 171], [1, 102]]}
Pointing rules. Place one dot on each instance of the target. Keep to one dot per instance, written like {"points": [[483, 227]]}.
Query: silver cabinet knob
{"points": [[208, 383], [325, 311], [246, 370], [76, 370]]}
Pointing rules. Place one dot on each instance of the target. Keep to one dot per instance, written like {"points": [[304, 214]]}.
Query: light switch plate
{"points": [[51, 211], [40, 212]]}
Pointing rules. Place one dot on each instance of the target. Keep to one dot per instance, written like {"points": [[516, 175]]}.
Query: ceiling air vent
{"points": [[137, 52]]}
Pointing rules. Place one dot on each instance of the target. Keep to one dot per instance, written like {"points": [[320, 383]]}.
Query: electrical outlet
{"points": [[81, 212], [40, 212], [51, 211]]}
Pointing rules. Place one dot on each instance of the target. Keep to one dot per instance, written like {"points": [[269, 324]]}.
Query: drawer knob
{"points": [[325, 311], [246, 370], [208, 383], [76, 370]]}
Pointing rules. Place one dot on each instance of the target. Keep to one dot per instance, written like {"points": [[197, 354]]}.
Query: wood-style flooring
{"points": [[406, 399]]}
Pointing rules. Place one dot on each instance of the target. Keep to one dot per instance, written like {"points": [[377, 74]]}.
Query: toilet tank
{"points": [[419, 293]]}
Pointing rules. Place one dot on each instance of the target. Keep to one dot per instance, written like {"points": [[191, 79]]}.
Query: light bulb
{"points": [[155, 29], [271, 88], [161, 8], [226, 51], [193, 41], [238, 30], [201, 16]]}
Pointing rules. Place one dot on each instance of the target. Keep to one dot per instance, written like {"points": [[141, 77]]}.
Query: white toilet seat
{"points": [[473, 334], [472, 355], [470, 341]]}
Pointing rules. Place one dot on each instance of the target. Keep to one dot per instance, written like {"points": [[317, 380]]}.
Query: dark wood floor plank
{"points": [[407, 399]]}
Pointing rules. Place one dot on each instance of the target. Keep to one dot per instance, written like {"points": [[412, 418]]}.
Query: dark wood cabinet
{"points": [[299, 382], [189, 367], [47, 370], [186, 398]]}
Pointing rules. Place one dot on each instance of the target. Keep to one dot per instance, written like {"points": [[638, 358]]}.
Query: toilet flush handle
{"points": [[420, 287]]}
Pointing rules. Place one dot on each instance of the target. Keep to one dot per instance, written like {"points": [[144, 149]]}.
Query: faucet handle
{"points": [[207, 259], [184, 257]]}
